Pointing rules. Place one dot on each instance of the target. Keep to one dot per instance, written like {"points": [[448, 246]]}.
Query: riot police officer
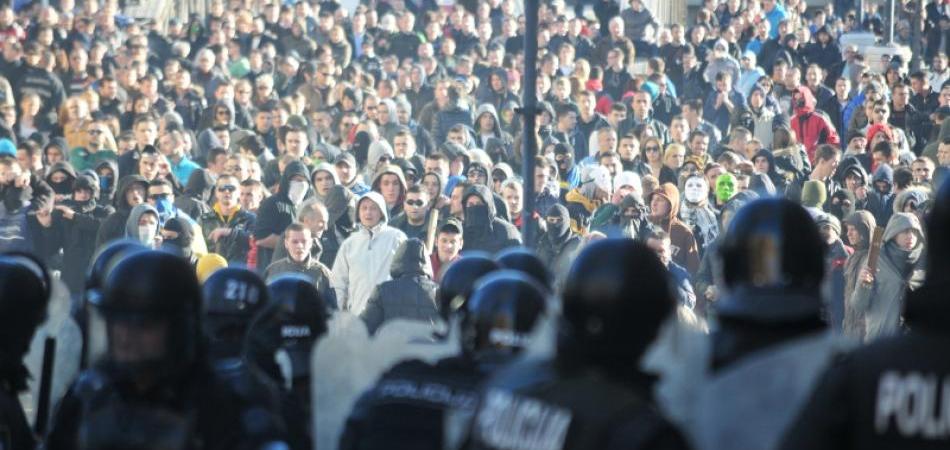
{"points": [[407, 407], [24, 296], [232, 298], [154, 387], [892, 393], [592, 394], [459, 280], [769, 342], [290, 324]]}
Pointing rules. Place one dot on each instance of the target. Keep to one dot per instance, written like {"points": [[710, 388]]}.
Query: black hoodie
{"points": [[77, 236], [483, 230], [107, 184], [277, 212], [197, 193], [114, 225]]}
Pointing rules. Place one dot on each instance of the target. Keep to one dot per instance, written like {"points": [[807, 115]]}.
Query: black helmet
{"points": [[459, 279], [293, 320], [24, 297], [616, 297], [501, 312], [154, 287], [104, 260], [526, 261], [938, 243], [232, 298], [772, 263]]}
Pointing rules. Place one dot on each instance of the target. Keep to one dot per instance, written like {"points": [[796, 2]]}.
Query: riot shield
{"points": [[679, 357], [347, 362], [750, 404], [61, 327]]}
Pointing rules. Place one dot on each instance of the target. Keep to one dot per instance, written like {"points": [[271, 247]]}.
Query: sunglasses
{"points": [[227, 188], [415, 202], [652, 148]]}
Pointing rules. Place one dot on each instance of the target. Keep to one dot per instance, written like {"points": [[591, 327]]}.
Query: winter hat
{"points": [[830, 220], [600, 176], [814, 194], [879, 128], [209, 264], [7, 148], [627, 178]]}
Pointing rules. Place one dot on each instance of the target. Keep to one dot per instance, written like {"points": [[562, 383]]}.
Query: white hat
{"points": [[628, 178], [600, 176]]}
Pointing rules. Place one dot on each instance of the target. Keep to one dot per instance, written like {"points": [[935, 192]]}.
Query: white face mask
{"points": [[297, 191], [147, 235], [695, 190]]}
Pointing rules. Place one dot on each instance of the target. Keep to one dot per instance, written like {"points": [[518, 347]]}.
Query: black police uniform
{"points": [[592, 395], [172, 401], [24, 294], [407, 408]]}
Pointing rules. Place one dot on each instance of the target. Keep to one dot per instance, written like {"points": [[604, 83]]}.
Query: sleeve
{"points": [[340, 275], [266, 224], [862, 297], [373, 314]]}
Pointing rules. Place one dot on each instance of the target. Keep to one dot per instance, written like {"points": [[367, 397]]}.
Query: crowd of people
{"points": [[368, 148]]}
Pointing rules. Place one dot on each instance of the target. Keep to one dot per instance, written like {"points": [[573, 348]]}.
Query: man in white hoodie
{"points": [[364, 258]]}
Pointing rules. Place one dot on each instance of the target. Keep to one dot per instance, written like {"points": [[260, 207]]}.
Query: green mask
{"points": [[725, 187]]}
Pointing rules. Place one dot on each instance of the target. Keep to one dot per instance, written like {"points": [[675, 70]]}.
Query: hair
{"points": [[903, 177], [696, 133], [826, 152], [417, 189], [885, 148], [296, 227]]}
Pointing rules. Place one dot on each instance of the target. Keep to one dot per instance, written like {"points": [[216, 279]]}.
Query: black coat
{"points": [[78, 240], [409, 295]]}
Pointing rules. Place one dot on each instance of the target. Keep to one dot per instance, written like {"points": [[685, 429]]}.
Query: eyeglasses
{"points": [[416, 203], [227, 188]]}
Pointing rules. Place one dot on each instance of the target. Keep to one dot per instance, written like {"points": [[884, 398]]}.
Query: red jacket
{"points": [[811, 128]]}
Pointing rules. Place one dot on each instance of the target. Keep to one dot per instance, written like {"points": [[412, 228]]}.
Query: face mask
{"points": [[477, 217], [297, 191], [62, 188], [147, 235], [165, 209], [695, 190], [105, 183], [725, 187]]}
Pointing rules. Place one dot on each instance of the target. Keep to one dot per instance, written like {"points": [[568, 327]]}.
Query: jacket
{"points": [[882, 301], [409, 295], [277, 212], [114, 225], [811, 128], [881, 204], [77, 236], [235, 246], [312, 268], [683, 243], [864, 222], [483, 230], [364, 259]]}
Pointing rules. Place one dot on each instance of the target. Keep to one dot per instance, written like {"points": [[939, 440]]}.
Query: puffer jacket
{"points": [[882, 301], [409, 295], [364, 259]]}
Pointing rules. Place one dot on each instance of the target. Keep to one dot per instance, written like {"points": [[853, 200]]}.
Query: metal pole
{"points": [[529, 110], [891, 16], [915, 37]]}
